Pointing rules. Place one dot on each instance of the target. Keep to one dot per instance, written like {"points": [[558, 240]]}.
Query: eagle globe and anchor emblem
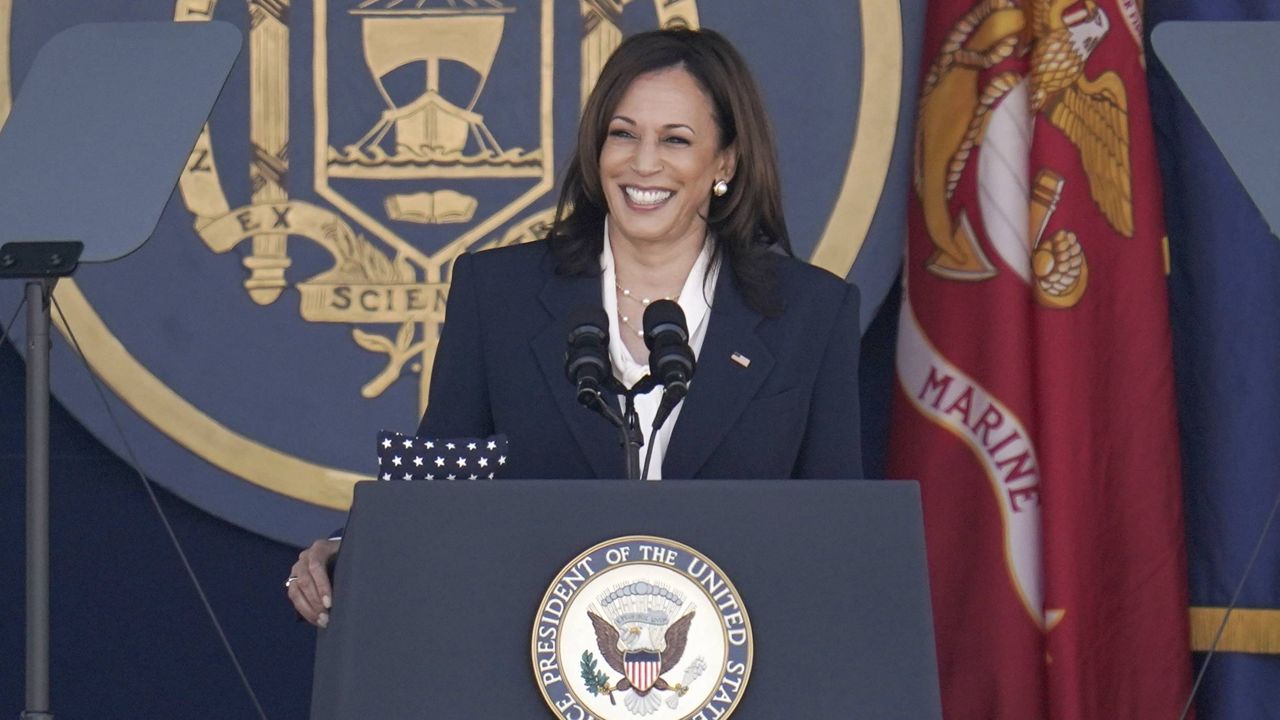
{"points": [[642, 626]]}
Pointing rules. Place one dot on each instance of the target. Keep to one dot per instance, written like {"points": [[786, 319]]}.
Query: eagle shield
{"points": [[642, 669]]}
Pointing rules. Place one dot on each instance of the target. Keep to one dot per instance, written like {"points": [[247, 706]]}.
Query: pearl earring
{"points": [[720, 188]]}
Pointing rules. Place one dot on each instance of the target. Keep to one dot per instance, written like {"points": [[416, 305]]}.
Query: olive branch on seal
{"points": [[597, 682], [357, 260]]}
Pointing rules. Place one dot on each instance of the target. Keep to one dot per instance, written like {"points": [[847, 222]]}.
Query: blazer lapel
{"points": [[721, 387], [597, 439]]}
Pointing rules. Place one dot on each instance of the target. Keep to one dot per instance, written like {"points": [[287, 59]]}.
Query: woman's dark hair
{"points": [[747, 221]]}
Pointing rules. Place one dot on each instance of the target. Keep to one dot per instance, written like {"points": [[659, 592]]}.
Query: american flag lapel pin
{"points": [[741, 359]]}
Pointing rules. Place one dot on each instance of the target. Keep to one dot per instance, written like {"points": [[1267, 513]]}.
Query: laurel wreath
{"points": [[359, 261], [597, 682]]}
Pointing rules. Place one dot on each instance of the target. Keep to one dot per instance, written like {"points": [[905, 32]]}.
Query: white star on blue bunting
{"points": [[458, 452]]}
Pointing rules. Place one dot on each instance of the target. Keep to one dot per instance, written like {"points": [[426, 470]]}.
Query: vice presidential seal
{"points": [[642, 626]]}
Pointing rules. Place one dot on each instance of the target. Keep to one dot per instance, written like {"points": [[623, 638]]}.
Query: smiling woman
{"points": [[662, 158], [677, 107], [672, 193]]}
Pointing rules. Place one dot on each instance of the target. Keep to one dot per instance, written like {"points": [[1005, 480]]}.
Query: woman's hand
{"points": [[308, 584]]}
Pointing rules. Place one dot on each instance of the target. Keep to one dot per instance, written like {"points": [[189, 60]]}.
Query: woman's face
{"points": [[661, 156]]}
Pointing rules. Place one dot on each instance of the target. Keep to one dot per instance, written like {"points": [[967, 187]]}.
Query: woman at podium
{"points": [[672, 193]]}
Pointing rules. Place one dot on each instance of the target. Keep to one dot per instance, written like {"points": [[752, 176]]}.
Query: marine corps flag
{"points": [[1035, 397]]}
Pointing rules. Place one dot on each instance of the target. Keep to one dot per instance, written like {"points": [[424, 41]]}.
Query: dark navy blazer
{"points": [[792, 412]]}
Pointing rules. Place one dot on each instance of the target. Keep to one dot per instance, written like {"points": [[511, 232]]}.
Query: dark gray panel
{"points": [[1226, 71], [105, 120], [439, 584]]}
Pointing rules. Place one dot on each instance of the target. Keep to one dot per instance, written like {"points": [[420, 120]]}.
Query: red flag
{"points": [[1035, 400]]}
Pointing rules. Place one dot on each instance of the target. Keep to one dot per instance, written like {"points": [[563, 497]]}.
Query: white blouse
{"points": [[695, 300]]}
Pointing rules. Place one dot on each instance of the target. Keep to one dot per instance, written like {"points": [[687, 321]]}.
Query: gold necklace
{"points": [[625, 293], [644, 301], [626, 321]]}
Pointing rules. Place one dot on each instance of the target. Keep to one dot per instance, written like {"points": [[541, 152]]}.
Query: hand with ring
{"points": [[308, 585]]}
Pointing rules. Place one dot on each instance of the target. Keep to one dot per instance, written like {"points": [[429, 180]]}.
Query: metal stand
{"points": [[37, 703], [630, 436], [138, 93], [41, 264]]}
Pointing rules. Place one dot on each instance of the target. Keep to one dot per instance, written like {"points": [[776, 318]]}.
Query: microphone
{"points": [[586, 363], [671, 362]]}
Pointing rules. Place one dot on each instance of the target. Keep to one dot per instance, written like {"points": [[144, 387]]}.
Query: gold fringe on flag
{"points": [[1250, 630]]}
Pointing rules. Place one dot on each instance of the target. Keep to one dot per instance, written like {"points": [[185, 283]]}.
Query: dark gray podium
{"points": [[438, 585]]}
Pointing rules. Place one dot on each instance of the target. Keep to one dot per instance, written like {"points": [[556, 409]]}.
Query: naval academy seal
{"points": [[642, 626]]}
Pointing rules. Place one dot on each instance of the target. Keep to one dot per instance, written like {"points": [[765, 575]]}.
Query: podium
{"points": [[441, 588]]}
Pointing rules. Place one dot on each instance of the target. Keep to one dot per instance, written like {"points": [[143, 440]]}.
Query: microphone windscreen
{"points": [[588, 320], [664, 316], [587, 357]]}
